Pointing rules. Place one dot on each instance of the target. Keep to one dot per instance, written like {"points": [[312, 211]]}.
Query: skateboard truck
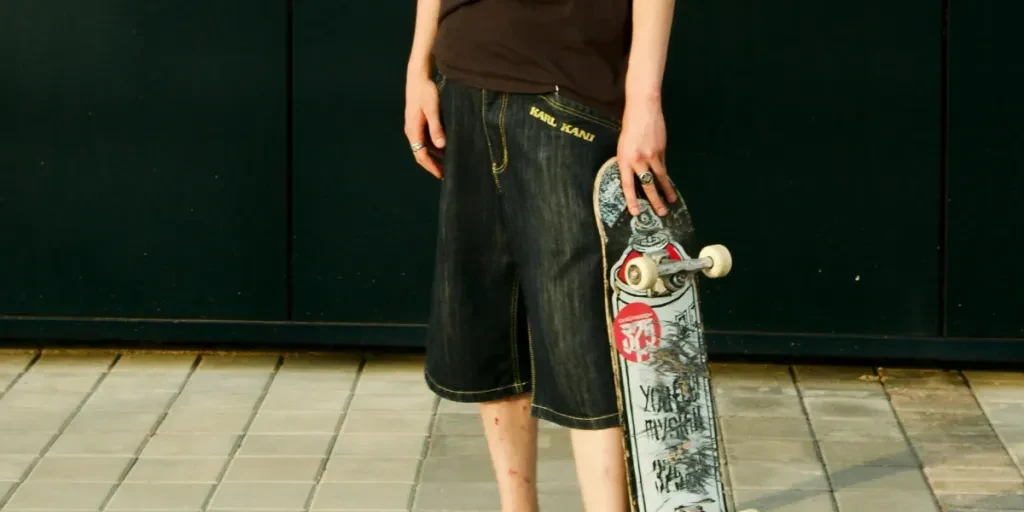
{"points": [[643, 273]]}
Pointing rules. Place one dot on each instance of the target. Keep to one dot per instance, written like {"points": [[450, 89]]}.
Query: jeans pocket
{"points": [[580, 111]]}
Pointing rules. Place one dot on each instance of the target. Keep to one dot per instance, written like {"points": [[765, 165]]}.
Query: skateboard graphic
{"points": [[658, 352]]}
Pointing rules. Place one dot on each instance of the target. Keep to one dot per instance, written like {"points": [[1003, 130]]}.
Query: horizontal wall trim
{"points": [[52, 332]]}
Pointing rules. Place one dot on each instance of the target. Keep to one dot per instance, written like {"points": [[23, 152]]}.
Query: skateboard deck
{"points": [[658, 352]]}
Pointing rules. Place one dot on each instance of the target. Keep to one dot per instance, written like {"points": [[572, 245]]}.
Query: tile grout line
{"points": [[421, 465], [724, 464], [318, 478], [21, 373], [28, 366], [60, 429], [241, 438], [1002, 441], [152, 432], [814, 438], [906, 438]]}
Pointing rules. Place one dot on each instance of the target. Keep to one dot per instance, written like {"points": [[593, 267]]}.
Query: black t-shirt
{"points": [[533, 46]]}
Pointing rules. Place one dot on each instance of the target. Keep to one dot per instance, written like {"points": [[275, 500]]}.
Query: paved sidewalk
{"points": [[149, 431]]}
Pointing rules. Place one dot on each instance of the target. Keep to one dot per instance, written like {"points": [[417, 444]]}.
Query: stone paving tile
{"points": [[62, 361], [837, 381], [790, 500], [759, 405], [954, 400], [57, 381], [21, 419], [847, 407], [738, 428], [14, 467], [280, 445], [274, 469], [775, 475], [840, 455], [23, 443], [856, 429], [132, 382], [190, 444], [456, 496], [177, 470], [296, 422], [205, 421], [772, 450], [237, 363], [136, 497], [6, 379], [382, 422], [903, 501], [58, 496], [15, 360], [371, 469], [881, 478], [99, 420], [336, 496], [421, 402], [380, 445], [258, 495], [79, 469], [155, 362]]}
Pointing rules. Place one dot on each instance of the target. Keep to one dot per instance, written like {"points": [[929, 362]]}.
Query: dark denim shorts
{"points": [[518, 300]]}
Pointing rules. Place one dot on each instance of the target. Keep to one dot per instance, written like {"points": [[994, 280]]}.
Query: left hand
{"points": [[641, 152]]}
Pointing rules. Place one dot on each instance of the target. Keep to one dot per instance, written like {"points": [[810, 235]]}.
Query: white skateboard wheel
{"points": [[641, 273], [721, 260]]}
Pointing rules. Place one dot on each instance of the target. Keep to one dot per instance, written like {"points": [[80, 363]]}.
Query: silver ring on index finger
{"points": [[646, 177], [416, 146]]}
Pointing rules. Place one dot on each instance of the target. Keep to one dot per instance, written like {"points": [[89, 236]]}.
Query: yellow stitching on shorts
{"points": [[556, 413], [533, 367], [512, 336], [487, 137], [516, 385], [584, 115], [504, 139]]}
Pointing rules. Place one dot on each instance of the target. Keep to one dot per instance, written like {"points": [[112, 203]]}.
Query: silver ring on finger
{"points": [[416, 146], [646, 177]]}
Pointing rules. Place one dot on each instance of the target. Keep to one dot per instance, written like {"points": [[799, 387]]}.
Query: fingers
{"points": [[626, 176], [651, 189], [415, 130], [661, 175], [434, 122], [423, 158]]}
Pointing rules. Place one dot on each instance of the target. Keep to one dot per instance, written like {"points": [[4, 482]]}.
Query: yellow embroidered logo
{"points": [[583, 134], [550, 120]]}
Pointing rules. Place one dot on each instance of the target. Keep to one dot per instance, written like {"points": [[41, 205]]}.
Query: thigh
{"points": [[473, 340], [555, 149]]}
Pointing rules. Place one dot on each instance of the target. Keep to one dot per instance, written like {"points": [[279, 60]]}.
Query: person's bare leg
{"points": [[512, 441], [601, 469]]}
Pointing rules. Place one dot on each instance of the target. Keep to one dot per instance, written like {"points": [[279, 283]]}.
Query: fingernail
{"points": [[439, 142]]}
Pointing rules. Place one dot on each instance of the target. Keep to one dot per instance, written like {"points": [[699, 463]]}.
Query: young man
{"points": [[532, 96]]}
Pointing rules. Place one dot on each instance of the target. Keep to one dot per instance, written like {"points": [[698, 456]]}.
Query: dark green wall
{"points": [[243, 161], [806, 137], [142, 159], [986, 169], [364, 212]]}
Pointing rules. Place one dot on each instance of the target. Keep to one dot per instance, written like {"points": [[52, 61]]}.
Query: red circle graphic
{"points": [[637, 332]]}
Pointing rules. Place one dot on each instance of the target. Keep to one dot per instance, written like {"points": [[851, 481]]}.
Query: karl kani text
{"points": [[550, 120]]}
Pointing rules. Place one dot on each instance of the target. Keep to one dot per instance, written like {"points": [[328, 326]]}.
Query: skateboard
{"points": [[657, 346]]}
